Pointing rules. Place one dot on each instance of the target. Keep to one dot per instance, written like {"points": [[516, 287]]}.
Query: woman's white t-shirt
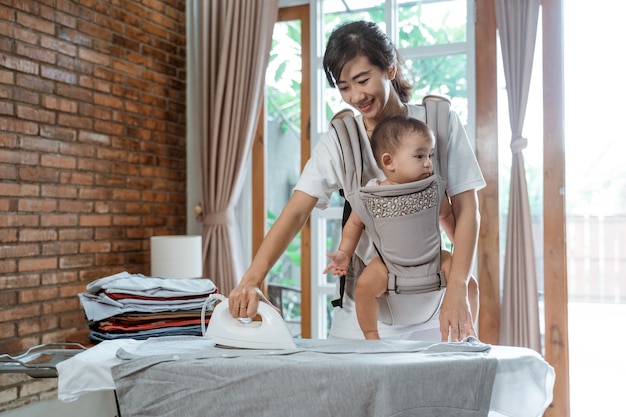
{"points": [[324, 174]]}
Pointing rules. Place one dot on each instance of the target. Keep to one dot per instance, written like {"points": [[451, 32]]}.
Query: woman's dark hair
{"points": [[389, 134], [367, 39]]}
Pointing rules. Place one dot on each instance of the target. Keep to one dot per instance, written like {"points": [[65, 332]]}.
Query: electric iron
{"points": [[226, 331]]}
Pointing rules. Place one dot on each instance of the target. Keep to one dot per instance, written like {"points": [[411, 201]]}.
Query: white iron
{"points": [[269, 333]]}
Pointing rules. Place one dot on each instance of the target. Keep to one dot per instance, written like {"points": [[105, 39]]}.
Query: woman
{"points": [[362, 63]]}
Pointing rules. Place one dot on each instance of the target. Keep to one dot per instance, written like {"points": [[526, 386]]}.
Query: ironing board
{"points": [[149, 377]]}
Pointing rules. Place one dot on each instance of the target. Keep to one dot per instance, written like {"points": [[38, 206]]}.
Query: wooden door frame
{"points": [[258, 165]]}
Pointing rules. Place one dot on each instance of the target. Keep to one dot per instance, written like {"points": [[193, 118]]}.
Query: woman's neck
{"points": [[393, 107]]}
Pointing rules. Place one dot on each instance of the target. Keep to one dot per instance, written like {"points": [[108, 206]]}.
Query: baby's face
{"points": [[413, 160]]}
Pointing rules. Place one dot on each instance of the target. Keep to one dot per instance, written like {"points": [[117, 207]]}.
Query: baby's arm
{"points": [[350, 236]]}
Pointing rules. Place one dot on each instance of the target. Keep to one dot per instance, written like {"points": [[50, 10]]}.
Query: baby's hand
{"points": [[339, 264]]}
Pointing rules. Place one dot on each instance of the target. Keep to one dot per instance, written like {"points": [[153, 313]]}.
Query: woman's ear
{"points": [[391, 72]]}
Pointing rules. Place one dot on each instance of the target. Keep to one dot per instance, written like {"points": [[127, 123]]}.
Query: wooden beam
{"points": [[258, 184], [487, 153], [555, 255]]}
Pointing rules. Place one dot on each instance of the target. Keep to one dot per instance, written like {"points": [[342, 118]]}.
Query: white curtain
{"points": [[232, 41], [519, 324]]}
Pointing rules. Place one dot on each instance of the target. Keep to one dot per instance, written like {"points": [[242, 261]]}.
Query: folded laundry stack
{"points": [[134, 306]]}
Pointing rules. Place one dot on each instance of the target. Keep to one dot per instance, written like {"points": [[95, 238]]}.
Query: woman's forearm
{"points": [[467, 216], [285, 228]]}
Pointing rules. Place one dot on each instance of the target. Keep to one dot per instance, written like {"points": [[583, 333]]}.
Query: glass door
{"points": [[279, 155], [595, 205]]}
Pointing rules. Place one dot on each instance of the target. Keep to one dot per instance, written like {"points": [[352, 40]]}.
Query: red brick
{"points": [[18, 126], [37, 264], [37, 235], [56, 132], [38, 115], [76, 261], [75, 234], [8, 298], [22, 220], [21, 281], [36, 205], [95, 220], [38, 294], [57, 161], [74, 92], [77, 149], [61, 278], [19, 64], [6, 77], [30, 327], [109, 128], [60, 104], [38, 174], [7, 108], [58, 45], [58, 191], [59, 220], [59, 248], [73, 206], [35, 53], [20, 312], [58, 17], [95, 247], [107, 101], [58, 75], [93, 56]]}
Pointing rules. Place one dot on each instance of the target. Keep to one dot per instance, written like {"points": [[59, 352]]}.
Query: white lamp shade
{"points": [[176, 256]]}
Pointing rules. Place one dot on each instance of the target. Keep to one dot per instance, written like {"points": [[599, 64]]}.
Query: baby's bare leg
{"points": [[370, 285]]}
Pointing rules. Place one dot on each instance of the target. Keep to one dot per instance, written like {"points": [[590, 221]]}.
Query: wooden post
{"points": [[555, 255], [487, 154]]}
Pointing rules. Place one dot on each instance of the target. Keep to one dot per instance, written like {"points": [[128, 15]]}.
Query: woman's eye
{"points": [[363, 82]]}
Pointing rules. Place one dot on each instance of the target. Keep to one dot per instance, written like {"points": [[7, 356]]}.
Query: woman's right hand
{"points": [[243, 301]]}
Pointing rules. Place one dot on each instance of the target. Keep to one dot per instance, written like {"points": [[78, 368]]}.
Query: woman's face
{"points": [[366, 87]]}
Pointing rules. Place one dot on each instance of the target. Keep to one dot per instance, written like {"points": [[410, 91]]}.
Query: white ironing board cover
{"points": [[522, 386]]}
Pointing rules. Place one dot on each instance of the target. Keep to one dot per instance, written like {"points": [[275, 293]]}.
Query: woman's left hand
{"points": [[455, 318]]}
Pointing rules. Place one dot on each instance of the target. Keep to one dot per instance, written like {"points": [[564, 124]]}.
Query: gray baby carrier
{"points": [[402, 221]]}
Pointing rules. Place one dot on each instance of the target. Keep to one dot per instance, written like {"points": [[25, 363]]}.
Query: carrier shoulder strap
{"points": [[438, 119], [338, 122]]}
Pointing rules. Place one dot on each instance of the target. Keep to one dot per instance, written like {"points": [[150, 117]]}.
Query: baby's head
{"points": [[403, 148]]}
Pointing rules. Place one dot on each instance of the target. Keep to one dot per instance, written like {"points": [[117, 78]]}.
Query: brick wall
{"points": [[92, 158]]}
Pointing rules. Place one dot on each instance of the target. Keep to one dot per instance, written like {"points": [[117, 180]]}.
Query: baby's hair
{"points": [[388, 134]]}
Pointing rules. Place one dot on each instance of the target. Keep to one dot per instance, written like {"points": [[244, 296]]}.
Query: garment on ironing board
{"points": [[402, 221]]}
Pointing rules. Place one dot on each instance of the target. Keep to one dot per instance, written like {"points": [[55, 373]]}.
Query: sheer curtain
{"points": [[229, 56], [519, 326]]}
